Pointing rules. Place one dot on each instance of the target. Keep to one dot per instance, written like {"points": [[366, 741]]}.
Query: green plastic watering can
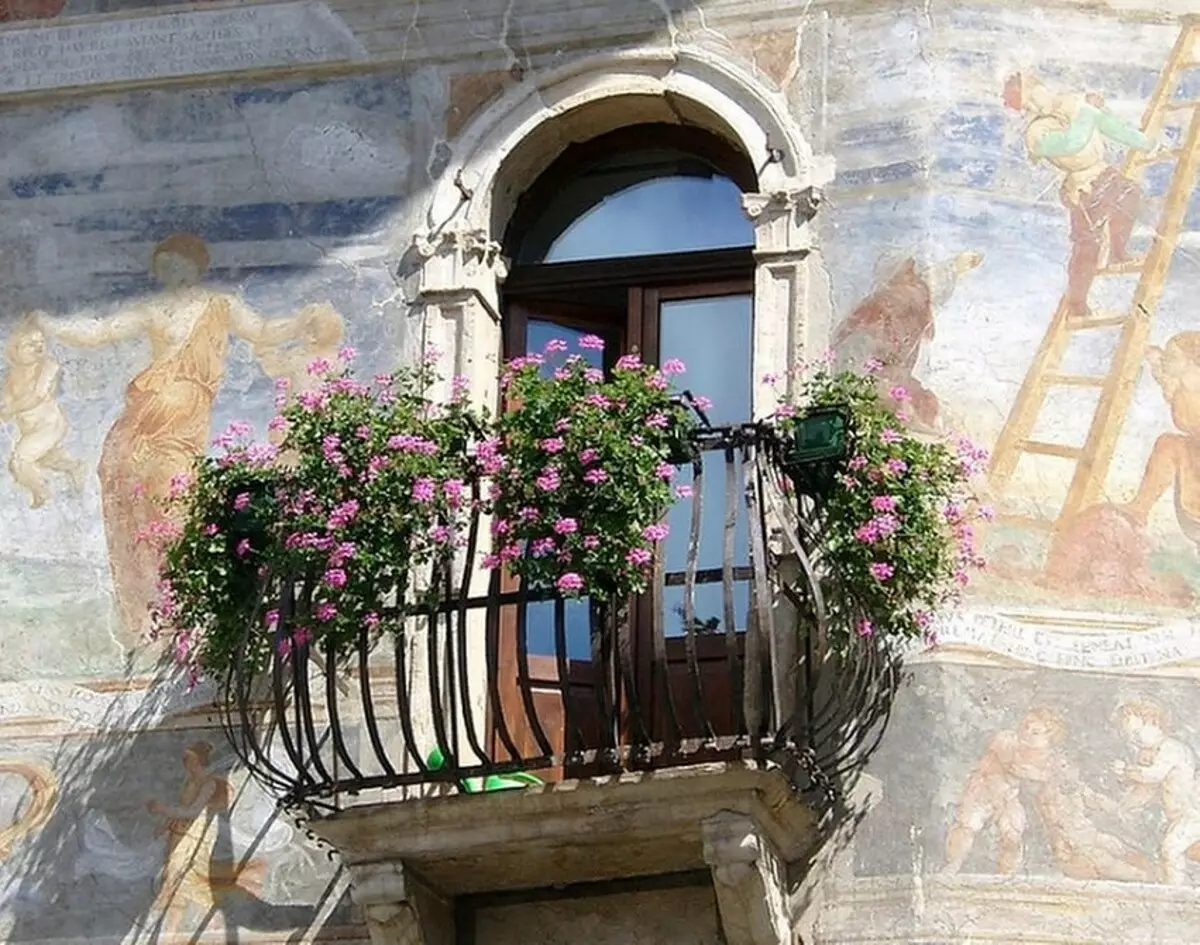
{"points": [[493, 782]]}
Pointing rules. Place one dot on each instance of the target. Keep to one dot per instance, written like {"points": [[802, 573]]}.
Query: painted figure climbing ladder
{"points": [[1093, 458]]}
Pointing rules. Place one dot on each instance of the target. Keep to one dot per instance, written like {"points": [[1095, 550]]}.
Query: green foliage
{"points": [[899, 516], [369, 486]]}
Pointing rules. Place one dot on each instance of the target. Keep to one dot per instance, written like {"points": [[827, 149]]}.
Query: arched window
{"points": [[639, 236]]}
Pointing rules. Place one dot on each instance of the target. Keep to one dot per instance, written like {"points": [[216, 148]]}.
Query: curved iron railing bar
{"points": [[640, 735], [453, 684], [672, 736], [492, 636], [367, 698], [610, 735], [762, 605], [689, 609], [302, 690], [340, 751], [532, 716], [433, 684], [404, 699], [563, 668], [464, 629], [277, 678], [300, 664]]}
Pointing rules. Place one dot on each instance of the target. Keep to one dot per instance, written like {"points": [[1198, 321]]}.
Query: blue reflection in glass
{"points": [[663, 215], [712, 336], [539, 333], [539, 629]]}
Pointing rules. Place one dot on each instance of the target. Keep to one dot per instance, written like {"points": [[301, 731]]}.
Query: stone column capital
{"points": [[781, 220], [456, 262]]}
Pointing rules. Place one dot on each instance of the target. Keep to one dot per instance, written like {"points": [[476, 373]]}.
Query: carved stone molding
{"points": [[781, 220], [750, 881], [456, 262], [399, 908]]}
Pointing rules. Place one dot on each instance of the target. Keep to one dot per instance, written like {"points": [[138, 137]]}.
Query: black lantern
{"points": [[818, 448]]}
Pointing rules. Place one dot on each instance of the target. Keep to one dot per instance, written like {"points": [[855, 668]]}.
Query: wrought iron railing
{"points": [[493, 682]]}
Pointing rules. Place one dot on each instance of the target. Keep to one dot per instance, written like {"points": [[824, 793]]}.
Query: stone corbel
{"points": [[749, 879], [399, 908]]}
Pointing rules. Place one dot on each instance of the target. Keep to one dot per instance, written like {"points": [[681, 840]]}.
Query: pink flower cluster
{"points": [[557, 507]]}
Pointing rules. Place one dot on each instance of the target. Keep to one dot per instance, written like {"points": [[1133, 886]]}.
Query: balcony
{"points": [[508, 740]]}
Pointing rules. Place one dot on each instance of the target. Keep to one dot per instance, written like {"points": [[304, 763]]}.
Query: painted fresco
{"points": [[1042, 760], [1047, 774], [165, 257], [1036, 206], [120, 836]]}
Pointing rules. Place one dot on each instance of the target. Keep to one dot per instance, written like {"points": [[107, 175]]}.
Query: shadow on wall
{"points": [[129, 828]]}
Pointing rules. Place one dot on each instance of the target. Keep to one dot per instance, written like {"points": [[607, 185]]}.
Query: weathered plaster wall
{"points": [[303, 167], [651, 916]]}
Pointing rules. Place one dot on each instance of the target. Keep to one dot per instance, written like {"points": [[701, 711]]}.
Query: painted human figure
{"points": [[1164, 767], [165, 422], [1064, 805], [1071, 131], [1175, 459], [194, 873], [319, 338], [992, 795], [29, 399], [895, 322]]}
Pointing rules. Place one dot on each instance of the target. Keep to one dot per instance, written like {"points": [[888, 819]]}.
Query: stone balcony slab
{"points": [[643, 823]]}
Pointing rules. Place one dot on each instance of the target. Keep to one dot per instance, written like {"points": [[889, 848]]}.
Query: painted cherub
{"points": [[1175, 459], [29, 399], [992, 794], [1164, 767]]}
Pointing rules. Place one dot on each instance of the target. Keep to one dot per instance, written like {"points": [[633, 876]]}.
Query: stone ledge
{"points": [[1027, 910], [644, 823]]}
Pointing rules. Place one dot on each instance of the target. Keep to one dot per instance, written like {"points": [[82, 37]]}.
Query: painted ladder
{"points": [[1092, 460]]}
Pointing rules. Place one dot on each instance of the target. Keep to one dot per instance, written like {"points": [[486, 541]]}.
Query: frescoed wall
{"points": [[1012, 240], [166, 256], [167, 252]]}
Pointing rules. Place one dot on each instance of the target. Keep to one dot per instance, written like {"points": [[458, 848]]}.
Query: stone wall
{"points": [[301, 167]]}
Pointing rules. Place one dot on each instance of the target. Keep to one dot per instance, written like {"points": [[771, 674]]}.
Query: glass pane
{"points": [[712, 336], [538, 333], [664, 215], [539, 629]]}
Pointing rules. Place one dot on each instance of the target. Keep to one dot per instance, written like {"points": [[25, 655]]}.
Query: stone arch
{"points": [[503, 149], [455, 259]]}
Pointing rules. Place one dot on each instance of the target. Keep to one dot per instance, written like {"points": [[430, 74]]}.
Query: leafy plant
{"points": [[370, 484], [581, 470], [898, 520]]}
